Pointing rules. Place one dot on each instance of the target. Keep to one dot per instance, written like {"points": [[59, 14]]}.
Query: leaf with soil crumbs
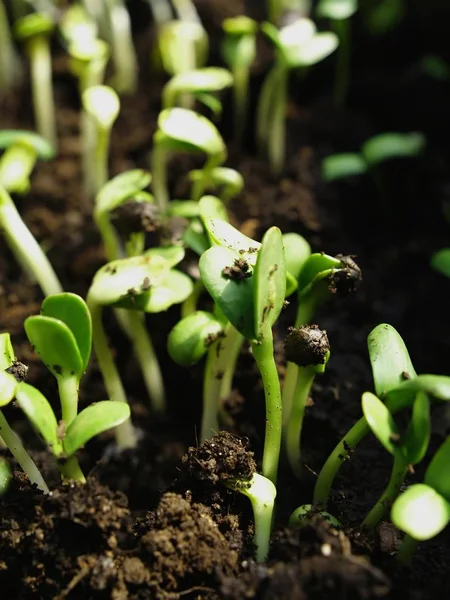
{"points": [[8, 385], [189, 339], [7, 355]]}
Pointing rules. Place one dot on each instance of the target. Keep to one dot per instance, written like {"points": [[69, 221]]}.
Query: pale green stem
{"points": [[234, 346], [71, 471], [189, 306], [159, 177], [89, 141], [125, 433], [342, 29], [407, 550], [186, 10], [16, 165], [240, 93], [94, 74], [38, 50], [24, 246], [101, 152], [123, 54], [200, 184], [277, 137], [265, 107], [109, 236], [68, 396], [399, 471], [21, 455], [305, 380], [263, 354], [9, 61]]}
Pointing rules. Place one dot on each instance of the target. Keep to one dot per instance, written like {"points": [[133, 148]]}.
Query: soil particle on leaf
{"points": [[18, 370], [306, 346], [135, 217], [345, 281], [238, 271]]}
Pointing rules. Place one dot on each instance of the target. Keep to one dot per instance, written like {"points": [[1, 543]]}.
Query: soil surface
{"points": [[159, 522]]}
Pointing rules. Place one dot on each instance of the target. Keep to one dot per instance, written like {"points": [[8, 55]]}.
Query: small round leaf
{"points": [[297, 251], [417, 436], [171, 254], [189, 339], [175, 288], [380, 422], [43, 148], [386, 146], [437, 475], [420, 512], [8, 385], [223, 234], [337, 10], [207, 79], [102, 103], [340, 166], [122, 187], [405, 393], [211, 207]]}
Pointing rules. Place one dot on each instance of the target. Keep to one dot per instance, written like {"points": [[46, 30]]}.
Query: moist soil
{"points": [[159, 522]]}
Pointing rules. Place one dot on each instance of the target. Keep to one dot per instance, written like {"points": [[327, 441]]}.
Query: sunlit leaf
{"points": [[8, 385], [420, 512], [339, 166], [380, 422], [386, 146], [189, 339], [437, 474]]}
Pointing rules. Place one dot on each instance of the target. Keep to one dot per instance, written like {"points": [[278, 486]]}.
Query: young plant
{"points": [[22, 150], [307, 347], [423, 510], [183, 47], [407, 450], [239, 53], [339, 12], [101, 107], [25, 248], [226, 183], [303, 514], [200, 83], [9, 61], [147, 283], [183, 130], [35, 31], [296, 45]]}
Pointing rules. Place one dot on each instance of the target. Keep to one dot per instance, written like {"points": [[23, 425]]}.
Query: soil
{"points": [[159, 522]]}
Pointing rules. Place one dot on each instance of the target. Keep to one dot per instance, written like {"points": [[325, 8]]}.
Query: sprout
{"points": [[197, 82], [239, 53], [309, 349], [423, 510], [183, 46], [101, 107], [24, 246], [339, 12], [22, 150], [303, 513], [34, 31], [184, 130], [296, 45], [226, 182], [9, 61], [440, 261]]}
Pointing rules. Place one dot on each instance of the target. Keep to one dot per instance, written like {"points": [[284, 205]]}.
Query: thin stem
{"points": [[101, 151], [399, 471], [341, 82], [25, 248], [16, 165], [201, 183], [265, 106], [159, 176], [263, 354], [234, 348], [21, 455], [189, 306], [38, 49], [9, 62], [89, 141], [123, 54], [305, 380], [68, 396], [125, 433], [277, 136], [240, 93], [407, 550], [109, 236], [71, 471]]}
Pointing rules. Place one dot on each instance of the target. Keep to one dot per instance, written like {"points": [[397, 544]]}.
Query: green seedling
{"points": [[183, 130], [396, 383], [296, 45], [340, 12], [35, 31], [423, 510], [186, 11], [408, 449], [226, 183], [320, 277], [22, 150], [101, 107], [198, 83], [239, 53], [440, 261], [24, 246], [303, 514], [9, 61], [249, 286], [307, 347], [147, 283], [375, 151], [262, 493]]}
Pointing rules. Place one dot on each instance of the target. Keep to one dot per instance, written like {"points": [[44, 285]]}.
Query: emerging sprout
{"points": [[239, 53], [199, 82], [35, 31], [24, 246], [303, 514], [225, 182]]}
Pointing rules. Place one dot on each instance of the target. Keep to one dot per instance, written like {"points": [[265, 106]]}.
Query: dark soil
{"points": [[158, 522]]}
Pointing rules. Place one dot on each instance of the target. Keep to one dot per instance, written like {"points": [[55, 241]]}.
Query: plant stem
{"points": [[68, 395], [24, 246], [123, 54], [125, 433], [294, 426], [9, 62], [109, 236], [159, 176], [399, 471], [234, 346], [265, 107], [71, 471], [16, 165], [21, 455], [189, 306], [38, 50], [100, 164], [200, 184], [277, 136], [263, 354], [407, 550], [240, 93], [341, 82]]}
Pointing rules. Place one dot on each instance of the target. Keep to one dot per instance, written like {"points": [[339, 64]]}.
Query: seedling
{"points": [[22, 150], [9, 61], [145, 283], [101, 108], [303, 514], [183, 130], [226, 183], [309, 349], [35, 31], [198, 83], [25, 248], [296, 45], [408, 449], [440, 261], [239, 53], [423, 510], [340, 12]]}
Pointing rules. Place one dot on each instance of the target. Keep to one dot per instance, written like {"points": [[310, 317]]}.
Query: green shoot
{"points": [[225, 182], [309, 349], [25, 248], [239, 53], [35, 31], [207, 80], [440, 261], [9, 61]]}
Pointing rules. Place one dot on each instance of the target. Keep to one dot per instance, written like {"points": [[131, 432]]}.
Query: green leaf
{"points": [[380, 422], [7, 356], [404, 394], [40, 414], [297, 251], [420, 512], [223, 234], [187, 209], [177, 36], [315, 50], [386, 146], [291, 284], [188, 340], [11, 137], [269, 283], [211, 207], [102, 103], [175, 288], [195, 237], [339, 166], [73, 311], [121, 188], [417, 436], [437, 475], [56, 345], [34, 24], [8, 385], [206, 79], [440, 261], [92, 421], [239, 45], [337, 10], [234, 298], [171, 254], [315, 265], [389, 358], [212, 102], [229, 182]]}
